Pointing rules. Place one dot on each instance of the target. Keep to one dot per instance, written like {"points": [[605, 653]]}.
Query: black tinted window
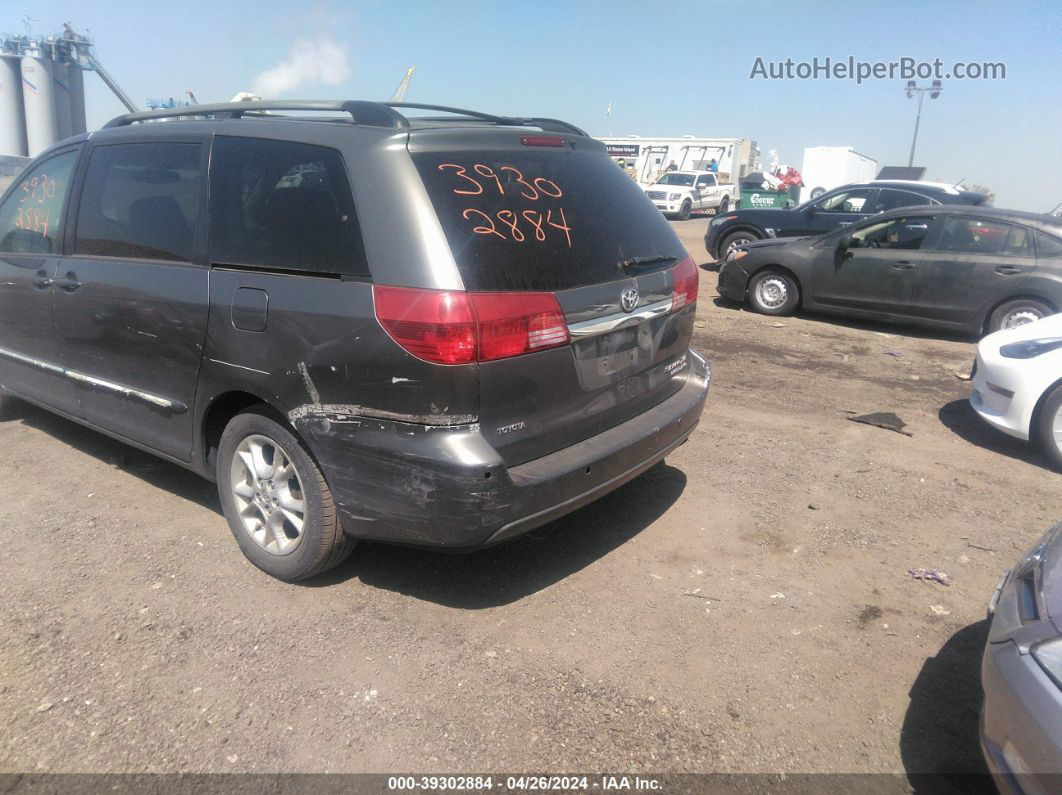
{"points": [[889, 199], [976, 236], [1048, 245], [140, 201], [30, 218], [848, 201], [537, 219], [277, 204]]}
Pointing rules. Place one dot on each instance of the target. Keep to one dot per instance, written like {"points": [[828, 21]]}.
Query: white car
{"points": [[1018, 383]]}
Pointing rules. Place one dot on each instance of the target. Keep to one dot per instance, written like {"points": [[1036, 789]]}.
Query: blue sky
{"points": [[668, 68]]}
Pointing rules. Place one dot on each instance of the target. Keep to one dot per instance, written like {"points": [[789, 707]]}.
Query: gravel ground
{"points": [[745, 607]]}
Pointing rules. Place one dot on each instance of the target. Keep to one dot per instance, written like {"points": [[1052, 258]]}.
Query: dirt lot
{"points": [[745, 607]]}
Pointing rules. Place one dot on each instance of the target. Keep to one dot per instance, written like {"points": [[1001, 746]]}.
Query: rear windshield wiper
{"points": [[636, 262]]}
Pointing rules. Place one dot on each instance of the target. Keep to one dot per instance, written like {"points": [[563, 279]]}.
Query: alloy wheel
{"points": [[268, 493], [733, 244]]}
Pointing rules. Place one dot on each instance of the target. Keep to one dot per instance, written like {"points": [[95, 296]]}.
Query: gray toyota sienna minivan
{"points": [[362, 322]]}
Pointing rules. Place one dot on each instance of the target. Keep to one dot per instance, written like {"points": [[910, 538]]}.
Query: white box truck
{"points": [[829, 167]]}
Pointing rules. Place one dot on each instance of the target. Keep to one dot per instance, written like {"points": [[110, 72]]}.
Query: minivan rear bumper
{"points": [[446, 486]]}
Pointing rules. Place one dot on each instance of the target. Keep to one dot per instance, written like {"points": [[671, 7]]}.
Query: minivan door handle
{"points": [[68, 282], [1008, 270], [903, 265], [42, 281]]}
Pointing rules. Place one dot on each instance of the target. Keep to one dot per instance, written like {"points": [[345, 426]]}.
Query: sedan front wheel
{"points": [[733, 240], [772, 292]]}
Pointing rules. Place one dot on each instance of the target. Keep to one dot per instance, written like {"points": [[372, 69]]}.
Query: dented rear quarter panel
{"points": [[323, 356], [322, 353]]}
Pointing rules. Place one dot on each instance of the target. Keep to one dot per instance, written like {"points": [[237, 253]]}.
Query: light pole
{"points": [[934, 92]]}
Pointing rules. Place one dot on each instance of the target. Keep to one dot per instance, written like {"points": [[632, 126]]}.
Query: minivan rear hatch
{"points": [[532, 214]]}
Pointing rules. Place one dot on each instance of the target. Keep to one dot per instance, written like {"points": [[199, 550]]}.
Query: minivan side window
{"points": [[140, 201], [284, 205], [30, 221]]}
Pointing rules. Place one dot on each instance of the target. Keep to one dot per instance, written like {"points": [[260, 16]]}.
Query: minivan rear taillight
{"points": [[686, 280], [451, 327], [431, 324], [514, 323]]}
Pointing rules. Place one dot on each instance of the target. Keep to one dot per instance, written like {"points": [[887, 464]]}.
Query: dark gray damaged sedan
{"points": [[969, 269]]}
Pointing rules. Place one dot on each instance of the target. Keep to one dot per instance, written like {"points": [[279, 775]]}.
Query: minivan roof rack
{"points": [[549, 125], [373, 114]]}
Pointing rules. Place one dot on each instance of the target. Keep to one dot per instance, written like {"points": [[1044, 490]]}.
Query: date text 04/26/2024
{"points": [[524, 783]]}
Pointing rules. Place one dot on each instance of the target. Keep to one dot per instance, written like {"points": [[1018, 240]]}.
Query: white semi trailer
{"points": [[829, 167], [646, 159]]}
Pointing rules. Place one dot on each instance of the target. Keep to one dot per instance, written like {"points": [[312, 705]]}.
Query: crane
{"points": [[403, 87]]}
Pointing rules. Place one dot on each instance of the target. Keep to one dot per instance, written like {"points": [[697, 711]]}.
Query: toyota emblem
{"points": [[629, 299]]}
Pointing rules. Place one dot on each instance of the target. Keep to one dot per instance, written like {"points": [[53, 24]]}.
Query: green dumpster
{"points": [[764, 199]]}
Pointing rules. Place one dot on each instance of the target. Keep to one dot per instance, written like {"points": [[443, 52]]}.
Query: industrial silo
{"points": [[77, 99], [63, 118], [12, 130], [38, 100]]}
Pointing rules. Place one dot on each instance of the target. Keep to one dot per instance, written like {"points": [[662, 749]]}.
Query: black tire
{"points": [[1043, 434], [321, 544], [777, 284], [735, 239], [724, 205], [1017, 312], [684, 211], [5, 406]]}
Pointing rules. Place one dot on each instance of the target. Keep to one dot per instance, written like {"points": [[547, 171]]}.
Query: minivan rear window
{"points": [[543, 220], [283, 205]]}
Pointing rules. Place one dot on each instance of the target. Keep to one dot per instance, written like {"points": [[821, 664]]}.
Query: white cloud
{"points": [[311, 62]]}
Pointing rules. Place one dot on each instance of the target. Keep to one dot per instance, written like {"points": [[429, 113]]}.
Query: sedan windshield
{"points": [[676, 179]]}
